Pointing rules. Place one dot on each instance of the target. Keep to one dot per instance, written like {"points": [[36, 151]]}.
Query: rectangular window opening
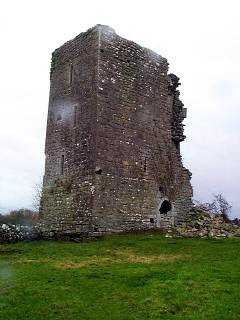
{"points": [[71, 74], [75, 116], [177, 144], [145, 164], [62, 164]]}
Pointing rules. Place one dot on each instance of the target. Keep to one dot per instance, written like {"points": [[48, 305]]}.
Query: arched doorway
{"points": [[165, 207], [166, 214]]}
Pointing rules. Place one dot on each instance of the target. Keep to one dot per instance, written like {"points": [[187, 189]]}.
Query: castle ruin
{"points": [[113, 138]]}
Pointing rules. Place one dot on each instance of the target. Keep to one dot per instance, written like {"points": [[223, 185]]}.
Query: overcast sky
{"points": [[200, 39]]}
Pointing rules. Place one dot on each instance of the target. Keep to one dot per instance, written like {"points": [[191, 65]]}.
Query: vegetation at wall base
{"points": [[131, 276]]}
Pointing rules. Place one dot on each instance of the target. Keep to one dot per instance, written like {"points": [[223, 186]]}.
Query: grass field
{"points": [[133, 276]]}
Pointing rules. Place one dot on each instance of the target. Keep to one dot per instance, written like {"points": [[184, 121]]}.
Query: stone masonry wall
{"points": [[111, 160], [70, 137]]}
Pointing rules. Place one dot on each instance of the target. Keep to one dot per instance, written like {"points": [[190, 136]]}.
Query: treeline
{"points": [[21, 217]]}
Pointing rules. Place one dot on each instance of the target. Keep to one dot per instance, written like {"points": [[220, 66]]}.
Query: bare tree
{"points": [[37, 194], [219, 206], [205, 206], [222, 204]]}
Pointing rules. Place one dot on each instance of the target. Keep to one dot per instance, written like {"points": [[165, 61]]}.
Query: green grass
{"points": [[133, 276]]}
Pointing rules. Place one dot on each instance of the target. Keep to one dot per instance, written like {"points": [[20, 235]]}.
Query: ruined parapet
{"points": [[179, 113], [111, 157]]}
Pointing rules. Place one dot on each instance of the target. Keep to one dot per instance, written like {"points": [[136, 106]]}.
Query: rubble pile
{"points": [[204, 224]]}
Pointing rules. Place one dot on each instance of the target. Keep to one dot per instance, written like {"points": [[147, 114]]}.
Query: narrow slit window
{"points": [[145, 164], [71, 74], [62, 164], [75, 116], [177, 144]]}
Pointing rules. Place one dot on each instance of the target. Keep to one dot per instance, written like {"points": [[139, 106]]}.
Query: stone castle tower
{"points": [[112, 143]]}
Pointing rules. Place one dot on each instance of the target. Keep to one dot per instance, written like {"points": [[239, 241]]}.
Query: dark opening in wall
{"points": [[123, 59], [161, 189], [165, 207], [151, 220], [177, 144], [71, 74], [75, 116], [62, 164], [145, 164], [98, 170]]}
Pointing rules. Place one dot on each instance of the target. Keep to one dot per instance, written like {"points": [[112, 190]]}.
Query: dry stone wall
{"points": [[14, 234], [111, 160]]}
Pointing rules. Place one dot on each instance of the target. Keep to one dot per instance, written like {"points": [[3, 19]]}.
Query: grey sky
{"points": [[201, 41]]}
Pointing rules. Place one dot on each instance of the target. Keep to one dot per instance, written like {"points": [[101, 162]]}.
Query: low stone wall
{"points": [[202, 224], [13, 234], [198, 224]]}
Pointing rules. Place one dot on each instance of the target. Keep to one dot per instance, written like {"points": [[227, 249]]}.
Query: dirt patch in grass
{"points": [[24, 260], [106, 257], [119, 256], [150, 259], [82, 264]]}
